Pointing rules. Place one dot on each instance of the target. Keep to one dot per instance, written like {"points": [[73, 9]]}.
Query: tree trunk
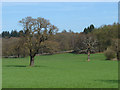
{"points": [[118, 56], [18, 55], [88, 56], [31, 61]]}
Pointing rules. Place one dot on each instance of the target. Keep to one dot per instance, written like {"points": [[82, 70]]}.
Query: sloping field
{"points": [[60, 71]]}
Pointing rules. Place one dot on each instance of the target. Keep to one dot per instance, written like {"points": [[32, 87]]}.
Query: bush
{"points": [[110, 54]]}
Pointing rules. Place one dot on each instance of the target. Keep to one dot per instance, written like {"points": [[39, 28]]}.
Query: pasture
{"points": [[60, 71]]}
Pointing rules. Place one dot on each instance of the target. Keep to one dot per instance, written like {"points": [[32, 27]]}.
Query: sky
{"points": [[73, 16], [60, 0]]}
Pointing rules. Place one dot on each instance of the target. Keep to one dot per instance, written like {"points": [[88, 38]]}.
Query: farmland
{"points": [[60, 71]]}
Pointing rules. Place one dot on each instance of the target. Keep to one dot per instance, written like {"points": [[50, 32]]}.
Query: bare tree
{"points": [[87, 44], [36, 31], [91, 45]]}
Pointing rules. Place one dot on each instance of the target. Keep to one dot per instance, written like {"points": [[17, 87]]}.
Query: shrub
{"points": [[110, 54]]}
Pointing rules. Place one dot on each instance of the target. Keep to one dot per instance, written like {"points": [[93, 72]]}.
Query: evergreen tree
{"points": [[5, 34], [14, 33]]}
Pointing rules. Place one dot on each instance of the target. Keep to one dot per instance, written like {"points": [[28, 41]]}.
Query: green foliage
{"points": [[13, 33], [89, 29], [115, 47], [105, 34], [60, 71], [5, 34], [110, 54]]}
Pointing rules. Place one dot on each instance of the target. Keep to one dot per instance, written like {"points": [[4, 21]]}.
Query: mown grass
{"points": [[60, 71]]}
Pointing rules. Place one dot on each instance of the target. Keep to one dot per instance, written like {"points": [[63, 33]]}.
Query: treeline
{"points": [[92, 39], [62, 41], [13, 33]]}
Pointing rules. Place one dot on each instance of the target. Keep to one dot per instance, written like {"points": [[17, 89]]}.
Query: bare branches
{"points": [[37, 31]]}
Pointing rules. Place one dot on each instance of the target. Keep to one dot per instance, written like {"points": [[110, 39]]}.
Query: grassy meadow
{"points": [[60, 71]]}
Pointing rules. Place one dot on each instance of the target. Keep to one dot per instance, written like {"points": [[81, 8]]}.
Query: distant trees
{"points": [[113, 51], [66, 40], [50, 46], [39, 36], [89, 29], [13, 33], [86, 44], [7, 49], [6, 34], [108, 38], [13, 47], [105, 34], [58, 42], [115, 47]]}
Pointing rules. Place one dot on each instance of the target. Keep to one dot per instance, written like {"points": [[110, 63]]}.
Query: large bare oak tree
{"points": [[36, 31]]}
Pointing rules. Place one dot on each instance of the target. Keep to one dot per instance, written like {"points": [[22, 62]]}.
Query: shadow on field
{"points": [[15, 66], [109, 81], [39, 66], [23, 66]]}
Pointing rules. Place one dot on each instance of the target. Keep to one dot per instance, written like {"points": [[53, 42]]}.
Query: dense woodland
{"points": [[92, 40]]}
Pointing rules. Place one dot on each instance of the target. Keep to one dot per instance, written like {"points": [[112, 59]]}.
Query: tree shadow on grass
{"points": [[23, 66], [39, 66], [15, 66], [109, 81]]}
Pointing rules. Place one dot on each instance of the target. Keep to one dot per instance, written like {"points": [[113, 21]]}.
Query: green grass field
{"points": [[60, 71]]}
